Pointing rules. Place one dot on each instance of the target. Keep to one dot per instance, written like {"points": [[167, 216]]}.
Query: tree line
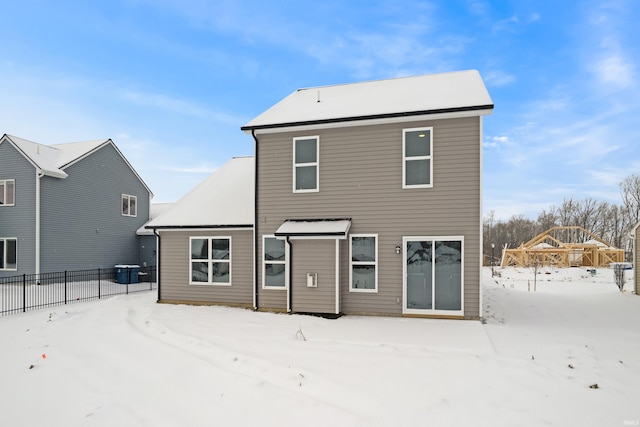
{"points": [[609, 221]]}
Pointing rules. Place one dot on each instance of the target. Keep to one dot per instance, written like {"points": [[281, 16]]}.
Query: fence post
{"points": [[65, 287], [98, 283], [24, 293]]}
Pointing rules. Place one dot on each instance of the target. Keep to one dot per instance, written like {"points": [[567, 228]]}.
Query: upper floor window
{"points": [[129, 205], [417, 158], [210, 260], [274, 260], [7, 192], [306, 164], [8, 254], [364, 262]]}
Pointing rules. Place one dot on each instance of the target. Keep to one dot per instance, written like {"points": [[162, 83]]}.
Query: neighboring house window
{"points": [[129, 205], [274, 259], [8, 254], [305, 164], [364, 262], [210, 261], [417, 158], [7, 192]]}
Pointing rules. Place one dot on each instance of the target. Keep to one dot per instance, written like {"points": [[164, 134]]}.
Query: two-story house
{"points": [[361, 198], [368, 198], [68, 207]]}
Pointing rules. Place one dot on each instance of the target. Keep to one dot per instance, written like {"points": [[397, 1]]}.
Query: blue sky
{"points": [[172, 81]]}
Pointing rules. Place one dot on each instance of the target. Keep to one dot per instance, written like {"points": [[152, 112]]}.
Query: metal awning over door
{"points": [[314, 228]]}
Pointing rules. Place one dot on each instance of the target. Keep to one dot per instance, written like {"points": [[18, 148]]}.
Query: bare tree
{"points": [[630, 193]]}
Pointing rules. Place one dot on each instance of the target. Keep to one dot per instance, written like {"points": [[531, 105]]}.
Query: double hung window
{"points": [[210, 260], [364, 262], [129, 205], [274, 260], [7, 192], [417, 158], [8, 253], [305, 164]]}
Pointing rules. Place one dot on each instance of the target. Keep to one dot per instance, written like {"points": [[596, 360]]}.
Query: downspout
{"points": [[256, 267], [290, 265], [158, 246], [39, 174]]}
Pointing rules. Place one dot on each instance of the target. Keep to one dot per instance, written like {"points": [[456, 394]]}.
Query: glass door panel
{"points": [[448, 275], [419, 275]]}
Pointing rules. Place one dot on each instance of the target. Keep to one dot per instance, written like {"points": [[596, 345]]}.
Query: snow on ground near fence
{"points": [[535, 360]]}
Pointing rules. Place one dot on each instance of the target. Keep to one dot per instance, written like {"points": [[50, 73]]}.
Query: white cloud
{"points": [[615, 70], [179, 106], [498, 78]]}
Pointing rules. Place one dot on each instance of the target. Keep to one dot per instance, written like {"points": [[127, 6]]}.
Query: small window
{"points": [[8, 254], [274, 260], [210, 261], [129, 205], [417, 154], [364, 263], [7, 192], [305, 164]]}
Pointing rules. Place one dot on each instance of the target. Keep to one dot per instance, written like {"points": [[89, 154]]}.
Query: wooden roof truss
{"points": [[566, 246]]}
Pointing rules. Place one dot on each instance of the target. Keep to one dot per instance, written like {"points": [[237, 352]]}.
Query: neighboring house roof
{"points": [[460, 91], [224, 199], [155, 210], [52, 160]]}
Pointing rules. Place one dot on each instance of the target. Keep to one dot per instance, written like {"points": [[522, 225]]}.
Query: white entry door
{"points": [[433, 275]]}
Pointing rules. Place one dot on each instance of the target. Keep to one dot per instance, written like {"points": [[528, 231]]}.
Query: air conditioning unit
{"points": [[312, 280]]}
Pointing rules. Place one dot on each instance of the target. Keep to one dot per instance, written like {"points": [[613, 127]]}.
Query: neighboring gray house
{"points": [[68, 206], [206, 240], [369, 198]]}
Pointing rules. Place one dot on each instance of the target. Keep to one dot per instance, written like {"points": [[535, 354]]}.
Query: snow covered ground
{"points": [[535, 360]]}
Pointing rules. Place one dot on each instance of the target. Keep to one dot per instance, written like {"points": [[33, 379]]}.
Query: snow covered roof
{"points": [[155, 210], [317, 228], [224, 199], [52, 160], [460, 91]]}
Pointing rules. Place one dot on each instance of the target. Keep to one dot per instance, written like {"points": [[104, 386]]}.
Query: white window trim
{"points": [[316, 164], [285, 263], [129, 198], [433, 311], [352, 263], [5, 181], [210, 260], [405, 158], [4, 252]]}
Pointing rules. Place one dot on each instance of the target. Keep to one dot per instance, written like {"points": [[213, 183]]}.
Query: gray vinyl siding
{"points": [[174, 264], [82, 222], [361, 178], [20, 220], [147, 250], [313, 256]]}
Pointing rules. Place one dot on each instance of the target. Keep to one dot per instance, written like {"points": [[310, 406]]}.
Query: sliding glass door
{"points": [[433, 281]]}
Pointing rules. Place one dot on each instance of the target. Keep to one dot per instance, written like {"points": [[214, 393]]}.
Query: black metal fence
{"points": [[33, 291]]}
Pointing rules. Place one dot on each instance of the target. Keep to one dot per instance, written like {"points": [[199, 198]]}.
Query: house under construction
{"points": [[570, 246]]}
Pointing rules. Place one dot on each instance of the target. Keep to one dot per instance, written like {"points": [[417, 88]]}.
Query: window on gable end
{"points": [[129, 205], [7, 192]]}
